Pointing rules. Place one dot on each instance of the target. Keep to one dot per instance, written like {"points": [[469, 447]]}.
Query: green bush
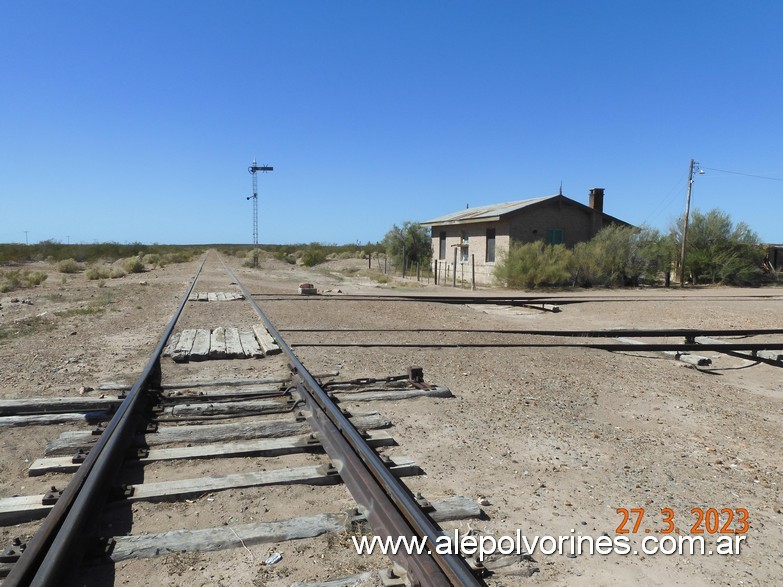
{"points": [[179, 256], [68, 266], [96, 272], [718, 251], [32, 278], [20, 278], [313, 255], [532, 265], [117, 272], [285, 257], [153, 259], [413, 240], [622, 255], [9, 281], [133, 265]]}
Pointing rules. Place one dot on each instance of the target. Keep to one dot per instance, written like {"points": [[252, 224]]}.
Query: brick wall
{"points": [[529, 225]]}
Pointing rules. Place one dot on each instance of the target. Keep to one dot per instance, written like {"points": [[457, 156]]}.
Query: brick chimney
{"points": [[597, 199]]}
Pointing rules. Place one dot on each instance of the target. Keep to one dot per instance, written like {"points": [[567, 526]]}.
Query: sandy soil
{"points": [[555, 439]]}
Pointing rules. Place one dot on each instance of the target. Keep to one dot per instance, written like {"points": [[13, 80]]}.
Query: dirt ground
{"points": [[554, 440]]}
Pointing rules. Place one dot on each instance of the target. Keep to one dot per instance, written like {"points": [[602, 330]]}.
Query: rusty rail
{"points": [[55, 549], [391, 508]]}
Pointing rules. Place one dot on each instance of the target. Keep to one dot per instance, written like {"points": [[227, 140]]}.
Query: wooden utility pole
{"points": [[685, 222]]}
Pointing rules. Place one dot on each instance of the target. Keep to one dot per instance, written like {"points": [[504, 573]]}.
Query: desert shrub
{"points": [[532, 265], [9, 281], [20, 278], [68, 266], [96, 272], [622, 255], [32, 278], [133, 265], [313, 255], [179, 256], [285, 257], [153, 259], [117, 272]]}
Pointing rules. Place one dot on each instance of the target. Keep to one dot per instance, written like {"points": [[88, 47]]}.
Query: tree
{"points": [[411, 240], [718, 251], [622, 255]]}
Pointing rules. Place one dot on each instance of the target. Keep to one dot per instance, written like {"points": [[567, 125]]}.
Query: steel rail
{"points": [[56, 548], [684, 332], [729, 346], [391, 508], [515, 300]]}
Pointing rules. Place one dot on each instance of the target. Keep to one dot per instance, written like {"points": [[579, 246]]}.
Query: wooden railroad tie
{"points": [[201, 344], [219, 296], [24, 508]]}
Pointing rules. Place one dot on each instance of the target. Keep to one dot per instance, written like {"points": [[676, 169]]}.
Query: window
{"points": [[463, 249], [555, 236], [490, 245], [442, 245]]}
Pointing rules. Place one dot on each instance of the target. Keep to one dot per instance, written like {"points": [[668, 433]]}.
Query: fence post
{"points": [[369, 261], [418, 272], [404, 261], [473, 271]]}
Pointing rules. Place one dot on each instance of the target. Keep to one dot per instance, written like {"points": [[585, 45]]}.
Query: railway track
{"points": [[247, 450], [161, 410]]}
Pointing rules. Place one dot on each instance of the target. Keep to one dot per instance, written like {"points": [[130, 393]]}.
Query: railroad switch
{"points": [[51, 496], [13, 552], [79, 457]]}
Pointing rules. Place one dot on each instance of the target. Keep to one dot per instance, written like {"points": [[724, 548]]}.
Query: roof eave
{"points": [[458, 222]]}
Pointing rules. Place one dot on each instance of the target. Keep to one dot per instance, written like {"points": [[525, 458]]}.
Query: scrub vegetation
{"points": [[717, 252]]}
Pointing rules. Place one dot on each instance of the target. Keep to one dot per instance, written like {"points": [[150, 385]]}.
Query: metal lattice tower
{"points": [[252, 170]]}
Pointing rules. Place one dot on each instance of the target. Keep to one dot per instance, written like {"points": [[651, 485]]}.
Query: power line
{"points": [[745, 174], [667, 199]]}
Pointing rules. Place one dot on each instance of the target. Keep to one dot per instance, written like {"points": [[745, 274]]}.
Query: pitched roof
{"points": [[486, 213]]}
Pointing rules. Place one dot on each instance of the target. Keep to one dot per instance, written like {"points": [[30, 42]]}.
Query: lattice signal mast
{"points": [[252, 170]]}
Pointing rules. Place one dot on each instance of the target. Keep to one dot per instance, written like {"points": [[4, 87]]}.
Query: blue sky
{"points": [[136, 121]]}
